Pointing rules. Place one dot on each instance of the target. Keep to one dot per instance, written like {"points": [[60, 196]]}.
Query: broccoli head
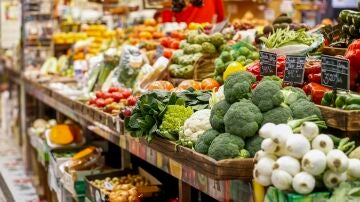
{"points": [[303, 108], [203, 143], [238, 86], [208, 48], [292, 94], [273, 78], [217, 115], [217, 39], [226, 146], [253, 144], [243, 119], [267, 95], [277, 115]]}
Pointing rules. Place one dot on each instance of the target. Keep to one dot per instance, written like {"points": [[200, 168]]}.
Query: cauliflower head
{"points": [[197, 124]]}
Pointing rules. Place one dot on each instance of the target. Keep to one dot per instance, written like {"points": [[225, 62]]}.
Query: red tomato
{"points": [[126, 94], [100, 102], [167, 53], [108, 101], [113, 89], [99, 94], [175, 44], [131, 101], [92, 101], [117, 96], [107, 95], [165, 41], [126, 112]]}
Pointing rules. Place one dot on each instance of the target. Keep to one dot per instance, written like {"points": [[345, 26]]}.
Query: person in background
{"points": [[198, 11]]}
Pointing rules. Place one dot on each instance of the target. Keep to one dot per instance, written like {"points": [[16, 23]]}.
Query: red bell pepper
{"points": [[280, 66], [254, 68], [316, 91], [314, 78], [353, 54]]}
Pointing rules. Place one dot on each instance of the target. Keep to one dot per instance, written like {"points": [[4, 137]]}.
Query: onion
{"points": [[337, 161], [288, 164], [261, 179], [323, 143], [280, 133], [310, 130], [281, 179], [332, 179], [297, 146], [314, 162], [303, 183], [354, 168], [268, 145], [261, 154], [265, 166], [266, 130], [280, 150]]}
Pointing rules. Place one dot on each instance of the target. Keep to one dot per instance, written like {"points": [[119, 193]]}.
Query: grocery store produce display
{"points": [[194, 104]]}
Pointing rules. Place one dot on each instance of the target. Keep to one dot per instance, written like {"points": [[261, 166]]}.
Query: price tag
{"points": [[294, 69], [267, 63], [335, 72]]}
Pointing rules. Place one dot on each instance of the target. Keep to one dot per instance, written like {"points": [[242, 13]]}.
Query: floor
{"points": [[15, 185]]}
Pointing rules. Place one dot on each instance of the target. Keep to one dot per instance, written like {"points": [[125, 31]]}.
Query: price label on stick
{"points": [[294, 69], [267, 63], [335, 72]]}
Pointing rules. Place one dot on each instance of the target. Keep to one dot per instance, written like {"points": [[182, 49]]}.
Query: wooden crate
{"points": [[218, 170], [344, 120]]}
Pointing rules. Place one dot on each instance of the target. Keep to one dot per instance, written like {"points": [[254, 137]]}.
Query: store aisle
{"points": [[15, 185]]}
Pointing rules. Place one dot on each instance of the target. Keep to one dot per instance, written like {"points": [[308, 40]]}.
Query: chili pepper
{"points": [[253, 86], [316, 91], [353, 54], [314, 77]]}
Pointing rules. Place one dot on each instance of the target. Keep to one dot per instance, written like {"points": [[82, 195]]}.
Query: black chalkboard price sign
{"points": [[294, 69], [335, 72], [267, 63]]}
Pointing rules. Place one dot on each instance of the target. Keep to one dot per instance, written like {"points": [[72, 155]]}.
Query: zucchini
{"points": [[352, 107]]}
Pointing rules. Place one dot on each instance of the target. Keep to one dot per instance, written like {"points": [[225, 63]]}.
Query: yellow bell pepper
{"points": [[232, 68]]}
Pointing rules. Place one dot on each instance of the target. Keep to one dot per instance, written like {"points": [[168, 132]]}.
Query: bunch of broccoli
{"points": [[236, 120]]}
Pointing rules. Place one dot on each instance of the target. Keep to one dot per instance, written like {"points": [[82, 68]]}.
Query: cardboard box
{"points": [[94, 193]]}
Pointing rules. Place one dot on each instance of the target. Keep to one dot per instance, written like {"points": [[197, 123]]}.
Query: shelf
{"points": [[196, 170]]}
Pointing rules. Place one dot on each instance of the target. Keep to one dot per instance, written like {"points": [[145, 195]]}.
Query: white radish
{"points": [[303, 183], [354, 168], [261, 179], [265, 166], [323, 143], [333, 179], [281, 179], [280, 133], [268, 145], [288, 164], [297, 146], [266, 130], [310, 130], [337, 161], [314, 162]]}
